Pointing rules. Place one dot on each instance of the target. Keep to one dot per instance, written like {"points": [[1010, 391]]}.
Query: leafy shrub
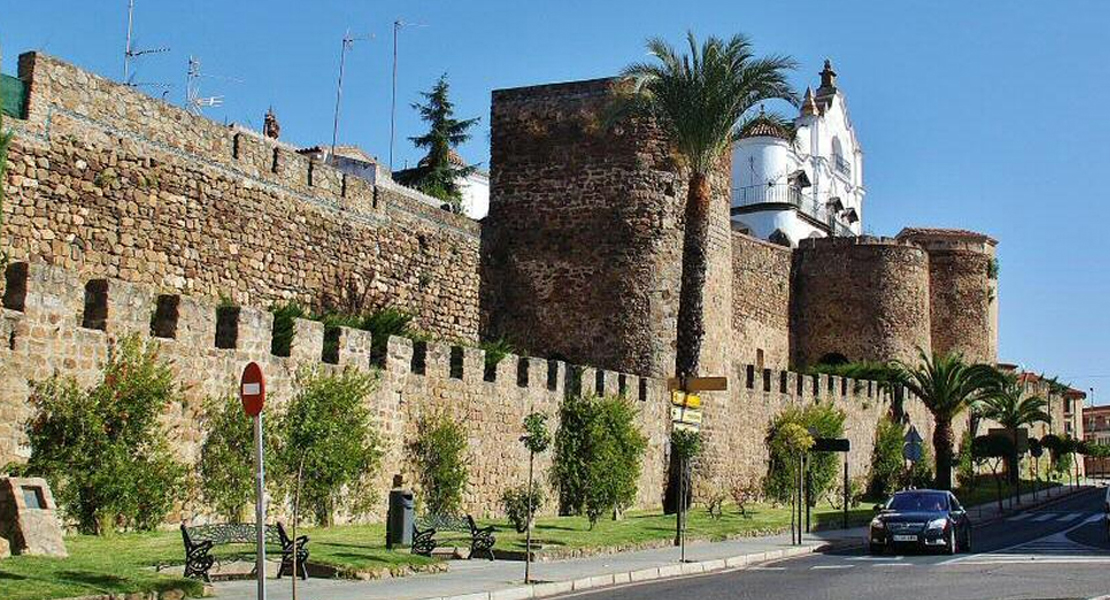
{"points": [[686, 444], [327, 425], [788, 435], [386, 322], [496, 351], [226, 466], [440, 449], [598, 451], [103, 450], [536, 437], [887, 463], [745, 490], [882, 372], [281, 342], [966, 475], [515, 502], [920, 473]]}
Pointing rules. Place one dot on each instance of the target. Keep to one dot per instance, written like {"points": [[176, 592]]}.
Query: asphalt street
{"points": [[1057, 551]]}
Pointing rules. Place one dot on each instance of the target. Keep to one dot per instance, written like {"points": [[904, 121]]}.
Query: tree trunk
{"points": [[695, 260], [942, 445], [691, 306]]}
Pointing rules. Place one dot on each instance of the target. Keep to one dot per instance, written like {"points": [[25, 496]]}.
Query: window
{"points": [[163, 323], [15, 286], [95, 315], [227, 327]]}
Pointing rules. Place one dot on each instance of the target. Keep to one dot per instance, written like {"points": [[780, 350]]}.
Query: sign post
{"points": [[686, 415], [252, 392]]}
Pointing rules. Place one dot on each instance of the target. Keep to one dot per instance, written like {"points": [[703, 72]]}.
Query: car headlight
{"points": [[877, 523], [937, 524]]}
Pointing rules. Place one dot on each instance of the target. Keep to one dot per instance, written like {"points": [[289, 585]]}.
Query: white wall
{"points": [[475, 195]]}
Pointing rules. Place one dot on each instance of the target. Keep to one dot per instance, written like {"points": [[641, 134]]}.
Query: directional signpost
{"points": [[252, 392], [686, 415], [911, 449]]}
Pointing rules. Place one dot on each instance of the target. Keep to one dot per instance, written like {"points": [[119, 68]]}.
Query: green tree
{"points": [[947, 386], [104, 449], [817, 420], [327, 426], [993, 450], [598, 453], [700, 101], [1007, 403], [439, 173], [887, 462], [440, 449], [226, 466]]}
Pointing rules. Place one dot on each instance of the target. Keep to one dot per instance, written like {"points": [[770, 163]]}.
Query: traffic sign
{"points": [[691, 416], [912, 437], [698, 384], [679, 398], [684, 427], [831, 445], [252, 389]]}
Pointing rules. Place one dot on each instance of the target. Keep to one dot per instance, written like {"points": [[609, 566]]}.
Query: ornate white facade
{"points": [[810, 184]]}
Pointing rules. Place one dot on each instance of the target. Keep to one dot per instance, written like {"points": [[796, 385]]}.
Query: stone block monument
{"points": [[28, 517]]}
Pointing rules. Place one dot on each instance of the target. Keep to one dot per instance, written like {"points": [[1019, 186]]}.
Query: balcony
{"points": [[842, 166], [816, 210]]}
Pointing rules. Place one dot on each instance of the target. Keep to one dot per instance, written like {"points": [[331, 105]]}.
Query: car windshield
{"points": [[919, 501]]}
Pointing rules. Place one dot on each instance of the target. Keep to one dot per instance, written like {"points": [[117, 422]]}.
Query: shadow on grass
{"points": [[12, 576]]}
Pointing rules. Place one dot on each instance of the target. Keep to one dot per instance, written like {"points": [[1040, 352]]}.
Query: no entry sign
{"points": [[252, 389]]}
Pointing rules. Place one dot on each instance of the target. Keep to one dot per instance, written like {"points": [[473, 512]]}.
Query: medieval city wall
{"points": [[582, 249], [51, 324], [106, 181], [760, 302]]}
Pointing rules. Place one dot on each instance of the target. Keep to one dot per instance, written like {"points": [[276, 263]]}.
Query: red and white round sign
{"points": [[252, 389]]}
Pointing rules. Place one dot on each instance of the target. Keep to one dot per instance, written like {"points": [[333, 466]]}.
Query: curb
{"points": [[542, 590]]}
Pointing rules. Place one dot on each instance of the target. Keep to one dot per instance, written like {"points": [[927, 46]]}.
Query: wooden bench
{"points": [[200, 540], [428, 533]]}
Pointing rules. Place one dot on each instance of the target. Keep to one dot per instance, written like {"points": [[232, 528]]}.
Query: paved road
{"points": [[1059, 551]]}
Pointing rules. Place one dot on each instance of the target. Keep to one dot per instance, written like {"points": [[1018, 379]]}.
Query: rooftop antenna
{"points": [[348, 42], [397, 25], [129, 52], [194, 102]]}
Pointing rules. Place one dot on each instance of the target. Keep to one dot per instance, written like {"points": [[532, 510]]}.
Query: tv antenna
{"points": [[348, 42], [194, 102], [397, 26], [130, 52]]}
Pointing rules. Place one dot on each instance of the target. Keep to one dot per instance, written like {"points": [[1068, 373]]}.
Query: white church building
{"points": [[788, 186]]}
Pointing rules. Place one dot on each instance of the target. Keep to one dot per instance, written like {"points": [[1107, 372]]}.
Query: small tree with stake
{"points": [[994, 451], [686, 446], [536, 439]]}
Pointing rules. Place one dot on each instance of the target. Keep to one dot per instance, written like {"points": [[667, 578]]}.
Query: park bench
{"points": [[430, 531], [200, 540]]}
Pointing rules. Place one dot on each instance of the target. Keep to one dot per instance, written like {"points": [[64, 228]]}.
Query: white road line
{"points": [[830, 567], [892, 565], [1044, 517], [766, 568], [875, 558], [1019, 517], [1069, 517]]}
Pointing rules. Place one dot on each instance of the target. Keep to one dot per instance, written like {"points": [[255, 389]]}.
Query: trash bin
{"points": [[399, 521]]}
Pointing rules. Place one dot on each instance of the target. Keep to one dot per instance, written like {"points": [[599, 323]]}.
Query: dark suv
{"points": [[927, 519]]}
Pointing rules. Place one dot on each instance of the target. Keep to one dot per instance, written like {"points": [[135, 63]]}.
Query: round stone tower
{"points": [[858, 299], [963, 288]]}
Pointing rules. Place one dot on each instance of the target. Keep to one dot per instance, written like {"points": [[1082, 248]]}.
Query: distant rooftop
{"points": [[965, 235]]}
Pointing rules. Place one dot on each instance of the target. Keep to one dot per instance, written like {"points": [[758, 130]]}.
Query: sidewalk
{"points": [[988, 512], [503, 580]]}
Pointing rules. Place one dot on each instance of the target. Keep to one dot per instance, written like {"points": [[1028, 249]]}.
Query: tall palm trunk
{"points": [[942, 445], [695, 261], [691, 304]]}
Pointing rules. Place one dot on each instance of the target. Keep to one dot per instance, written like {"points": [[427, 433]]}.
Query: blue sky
{"points": [[983, 115]]}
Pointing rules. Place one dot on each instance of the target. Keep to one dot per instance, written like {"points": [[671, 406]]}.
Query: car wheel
{"points": [[876, 549], [950, 541]]}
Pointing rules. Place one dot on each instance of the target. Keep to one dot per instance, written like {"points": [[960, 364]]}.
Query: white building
{"points": [[810, 184]]}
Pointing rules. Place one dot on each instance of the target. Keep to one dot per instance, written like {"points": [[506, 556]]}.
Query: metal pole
{"points": [[846, 491], [127, 50], [528, 535], [805, 475], [339, 92], [260, 509], [681, 506], [393, 101]]}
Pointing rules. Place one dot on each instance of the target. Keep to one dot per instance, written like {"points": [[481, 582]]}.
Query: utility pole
{"points": [[397, 25], [348, 42]]}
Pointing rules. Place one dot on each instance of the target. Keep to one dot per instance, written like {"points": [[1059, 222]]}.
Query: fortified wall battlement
{"points": [[106, 181], [54, 322]]}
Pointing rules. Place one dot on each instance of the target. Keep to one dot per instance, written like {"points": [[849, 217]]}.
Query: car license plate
{"points": [[905, 538]]}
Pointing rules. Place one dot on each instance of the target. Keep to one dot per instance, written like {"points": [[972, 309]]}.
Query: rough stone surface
{"points": [[760, 302], [28, 517], [5, 548]]}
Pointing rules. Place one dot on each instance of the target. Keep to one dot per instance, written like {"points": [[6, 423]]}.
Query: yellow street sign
{"points": [[683, 399], [686, 415], [684, 427]]}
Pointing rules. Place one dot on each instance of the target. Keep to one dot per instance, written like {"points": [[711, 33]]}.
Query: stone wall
{"points": [[760, 302], [106, 181], [582, 246], [49, 334], [963, 297], [863, 298]]}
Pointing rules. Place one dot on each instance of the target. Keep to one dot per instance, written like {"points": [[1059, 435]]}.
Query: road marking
{"points": [[1044, 517], [892, 565], [830, 567], [1069, 517], [766, 568], [1019, 517], [875, 558]]}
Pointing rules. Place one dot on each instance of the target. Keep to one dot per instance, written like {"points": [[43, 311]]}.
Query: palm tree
{"points": [[1007, 403], [701, 101], [947, 386]]}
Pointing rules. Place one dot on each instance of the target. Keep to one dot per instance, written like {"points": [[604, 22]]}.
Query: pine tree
{"points": [[437, 175]]}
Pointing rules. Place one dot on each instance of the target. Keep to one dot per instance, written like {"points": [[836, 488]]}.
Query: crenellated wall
{"points": [[106, 181], [51, 325], [761, 280]]}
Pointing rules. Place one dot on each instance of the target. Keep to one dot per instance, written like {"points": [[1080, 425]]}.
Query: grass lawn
{"points": [[646, 528], [122, 563]]}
